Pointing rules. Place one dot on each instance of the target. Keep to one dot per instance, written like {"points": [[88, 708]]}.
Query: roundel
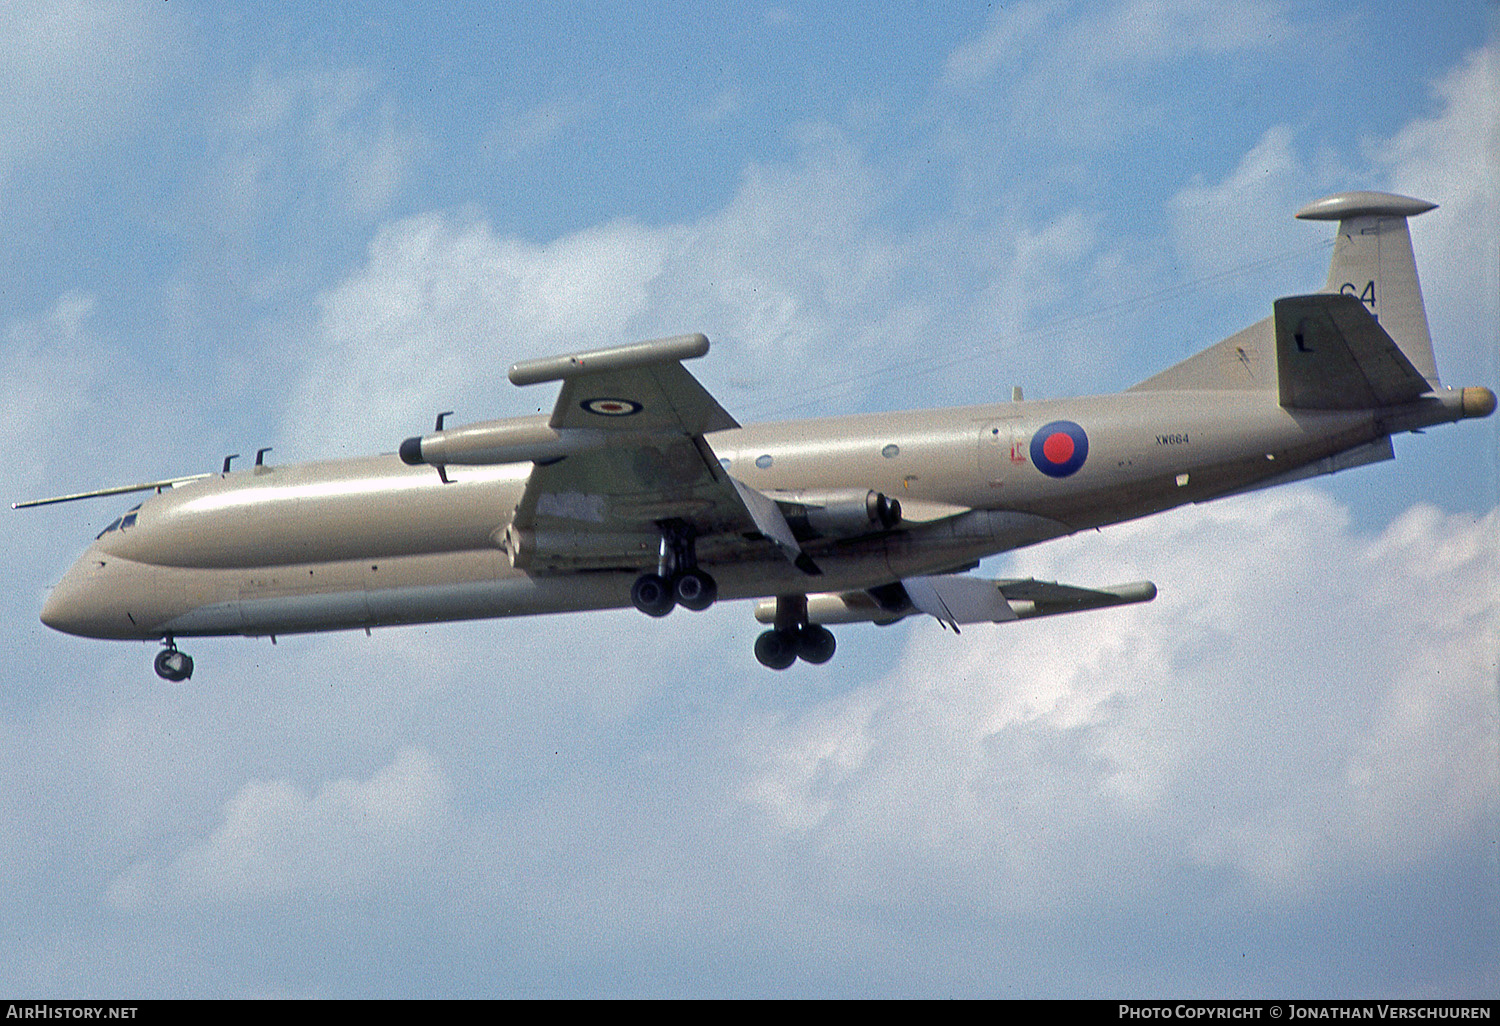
{"points": [[608, 407], [1059, 448]]}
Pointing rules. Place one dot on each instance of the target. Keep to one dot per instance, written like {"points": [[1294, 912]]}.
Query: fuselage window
{"points": [[763, 462]]}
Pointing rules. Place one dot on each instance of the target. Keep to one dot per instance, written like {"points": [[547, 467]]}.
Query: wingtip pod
{"points": [[1342, 205], [557, 368]]}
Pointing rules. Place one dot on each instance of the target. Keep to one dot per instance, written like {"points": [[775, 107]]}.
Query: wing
{"points": [[652, 470], [955, 599]]}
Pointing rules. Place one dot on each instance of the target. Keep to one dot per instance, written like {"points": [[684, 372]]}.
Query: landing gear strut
{"points": [[678, 580], [172, 664], [793, 638]]}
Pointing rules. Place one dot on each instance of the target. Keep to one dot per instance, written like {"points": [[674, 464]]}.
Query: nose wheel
{"points": [[793, 637], [678, 580], [173, 665]]}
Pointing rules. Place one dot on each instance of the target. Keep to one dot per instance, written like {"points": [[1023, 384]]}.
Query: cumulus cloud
{"points": [[802, 287], [1302, 703], [1247, 213], [443, 305], [1453, 158], [277, 840]]}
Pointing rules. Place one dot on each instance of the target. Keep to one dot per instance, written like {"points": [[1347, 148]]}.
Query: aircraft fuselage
{"points": [[371, 542], [640, 490]]}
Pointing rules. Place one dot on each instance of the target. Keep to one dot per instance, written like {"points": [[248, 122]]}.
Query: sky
{"points": [[223, 228]]}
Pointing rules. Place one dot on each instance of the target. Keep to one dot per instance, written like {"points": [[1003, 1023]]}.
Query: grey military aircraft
{"points": [[640, 489]]}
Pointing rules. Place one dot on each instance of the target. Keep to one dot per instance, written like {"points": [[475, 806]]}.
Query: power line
{"points": [[922, 365]]}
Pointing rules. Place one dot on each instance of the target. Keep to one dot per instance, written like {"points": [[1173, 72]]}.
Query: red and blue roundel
{"points": [[1059, 448]]}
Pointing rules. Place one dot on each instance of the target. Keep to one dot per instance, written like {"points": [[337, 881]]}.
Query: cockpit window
{"points": [[120, 523]]}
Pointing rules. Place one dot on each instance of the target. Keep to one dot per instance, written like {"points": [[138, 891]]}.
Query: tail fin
{"points": [[1373, 261]]}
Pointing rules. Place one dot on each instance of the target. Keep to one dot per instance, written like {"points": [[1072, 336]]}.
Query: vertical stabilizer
{"points": [[1373, 261]]}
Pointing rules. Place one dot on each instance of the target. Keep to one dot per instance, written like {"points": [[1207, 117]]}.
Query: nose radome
{"points": [[58, 612], [73, 607], [91, 602]]}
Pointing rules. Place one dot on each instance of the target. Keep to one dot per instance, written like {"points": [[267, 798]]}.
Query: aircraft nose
{"points": [[84, 603]]}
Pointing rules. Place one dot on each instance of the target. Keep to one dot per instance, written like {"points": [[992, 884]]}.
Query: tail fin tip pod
{"points": [[1373, 261], [1343, 205]]}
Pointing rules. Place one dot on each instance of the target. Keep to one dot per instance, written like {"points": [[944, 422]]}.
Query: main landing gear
{"points": [[678, 579], [172, 664], [793, 638]]}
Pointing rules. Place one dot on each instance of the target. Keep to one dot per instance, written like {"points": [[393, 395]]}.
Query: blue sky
{"points": [[222, 229]]}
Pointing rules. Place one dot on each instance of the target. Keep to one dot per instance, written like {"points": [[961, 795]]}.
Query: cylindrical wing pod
{"points": [[518, 440]]}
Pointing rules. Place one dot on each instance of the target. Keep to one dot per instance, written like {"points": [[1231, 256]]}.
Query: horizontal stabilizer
{"points": [[1331, 354]]}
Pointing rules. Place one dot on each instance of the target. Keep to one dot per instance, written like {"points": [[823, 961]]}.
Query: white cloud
{"points": [[291, 141], [1302, 704], [1049, 70], [1248, 214], [439, 311], [63, 384], [1007, 35], [277, 840], [1453, 158]]}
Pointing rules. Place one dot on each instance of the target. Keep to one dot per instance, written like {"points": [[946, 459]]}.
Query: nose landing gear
{"points": [[173, 665]]}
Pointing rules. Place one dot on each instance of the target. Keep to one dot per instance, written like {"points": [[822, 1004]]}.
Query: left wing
{"points": [[955, 599], [651, 470]]}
